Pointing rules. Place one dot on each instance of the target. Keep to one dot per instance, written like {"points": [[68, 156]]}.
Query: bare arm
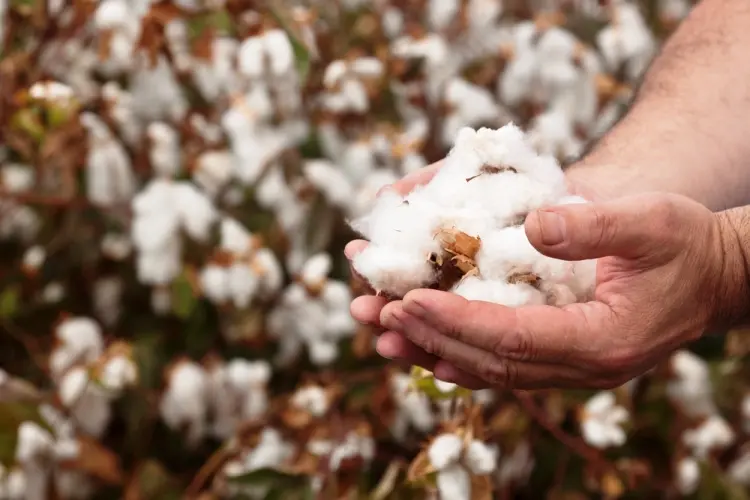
{"points": [[688, 131]]}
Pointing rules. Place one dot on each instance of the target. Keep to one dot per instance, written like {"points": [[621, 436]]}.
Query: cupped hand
{"points": [[668, 270]]}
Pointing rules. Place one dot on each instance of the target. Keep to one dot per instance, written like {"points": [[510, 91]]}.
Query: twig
{"points": [[573, 443], [56, 201], [208, 469]]}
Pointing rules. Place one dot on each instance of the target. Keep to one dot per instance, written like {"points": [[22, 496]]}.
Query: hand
{"points": [[367, 309], [668, 270]]}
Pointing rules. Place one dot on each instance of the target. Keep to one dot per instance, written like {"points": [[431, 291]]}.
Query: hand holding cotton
{"points": [[463, 231]]}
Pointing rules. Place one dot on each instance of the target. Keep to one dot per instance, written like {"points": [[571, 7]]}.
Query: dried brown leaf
{"points": [[419, 468], [525, 278], [481, 488], [457, 242]]}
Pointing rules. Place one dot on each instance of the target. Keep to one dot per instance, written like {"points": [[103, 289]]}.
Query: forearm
{"points": [[687, 131]]}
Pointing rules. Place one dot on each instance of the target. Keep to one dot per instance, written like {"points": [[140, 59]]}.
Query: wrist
{"points": [[732, 292]]}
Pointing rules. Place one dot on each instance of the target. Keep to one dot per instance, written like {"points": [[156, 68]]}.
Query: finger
{"points": [[366, 309], [397, 347], [394, 346], [448, 372], [354, 247], [540, 334], [630, 227], [418, 178], [485, 365]]}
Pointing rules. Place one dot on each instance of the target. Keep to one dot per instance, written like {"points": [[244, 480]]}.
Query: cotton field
{"points": [[178, 180]]}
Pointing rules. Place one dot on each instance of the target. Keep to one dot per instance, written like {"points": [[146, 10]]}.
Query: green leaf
{"points": [[9, 300], [29, 121], [183, 298], [270, 478]]}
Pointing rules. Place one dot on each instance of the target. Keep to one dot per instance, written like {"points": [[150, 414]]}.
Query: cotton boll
{"points": [[250, 57], [214, 282], [196, 211], [184, 404], [329, 180], [509, 251], [454, 482], [243, 283], [272, 275], [480, 458], [279, 50], [688, 476], [80, 341], [499, 292], [397, 273], [316, 269], [444, 450], [234, 237]]}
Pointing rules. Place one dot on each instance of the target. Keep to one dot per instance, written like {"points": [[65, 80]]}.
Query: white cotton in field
{"points": [[329, 180]]}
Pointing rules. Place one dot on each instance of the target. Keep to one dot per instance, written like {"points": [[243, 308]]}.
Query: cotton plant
{"points": [[88, 377], [157, 94], [269, 53], [713, 434], [162, 210], [467, 236], [313, 312], [238, 393], [110, 179], [118, 29], [271, 452], [690, 386], [455, 459], [627, 41], [164, 154], [687, 476], [42, 447], [413, 407], [217, 77], [516, 466], [185, 404], [242, 270], [602, 421], [119, 106], [346, 84], [739, 470]]}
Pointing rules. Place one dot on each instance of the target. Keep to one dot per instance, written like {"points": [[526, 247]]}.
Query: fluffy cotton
{"points": [[490, 181]]}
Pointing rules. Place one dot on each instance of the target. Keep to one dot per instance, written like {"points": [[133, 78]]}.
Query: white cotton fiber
{"points": [[499, 292], [463, 231]]}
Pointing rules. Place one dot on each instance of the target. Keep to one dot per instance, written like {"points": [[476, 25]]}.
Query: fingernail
{"points": [[552, 227], [350, 249], [386, 349]]}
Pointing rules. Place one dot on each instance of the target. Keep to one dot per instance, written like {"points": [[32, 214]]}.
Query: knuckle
{"points": [[517, 345], [603, 227], [622, 360], [431, 344], [498, 372], [666, 214]]}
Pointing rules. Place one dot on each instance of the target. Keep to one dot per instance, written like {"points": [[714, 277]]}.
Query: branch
{"points": [[573, 443]]}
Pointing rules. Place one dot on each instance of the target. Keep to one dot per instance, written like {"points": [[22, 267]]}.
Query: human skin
{"points": [[669, 267]]}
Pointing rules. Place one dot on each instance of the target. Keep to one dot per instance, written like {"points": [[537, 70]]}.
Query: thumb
{"points": [[630, 227]]}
